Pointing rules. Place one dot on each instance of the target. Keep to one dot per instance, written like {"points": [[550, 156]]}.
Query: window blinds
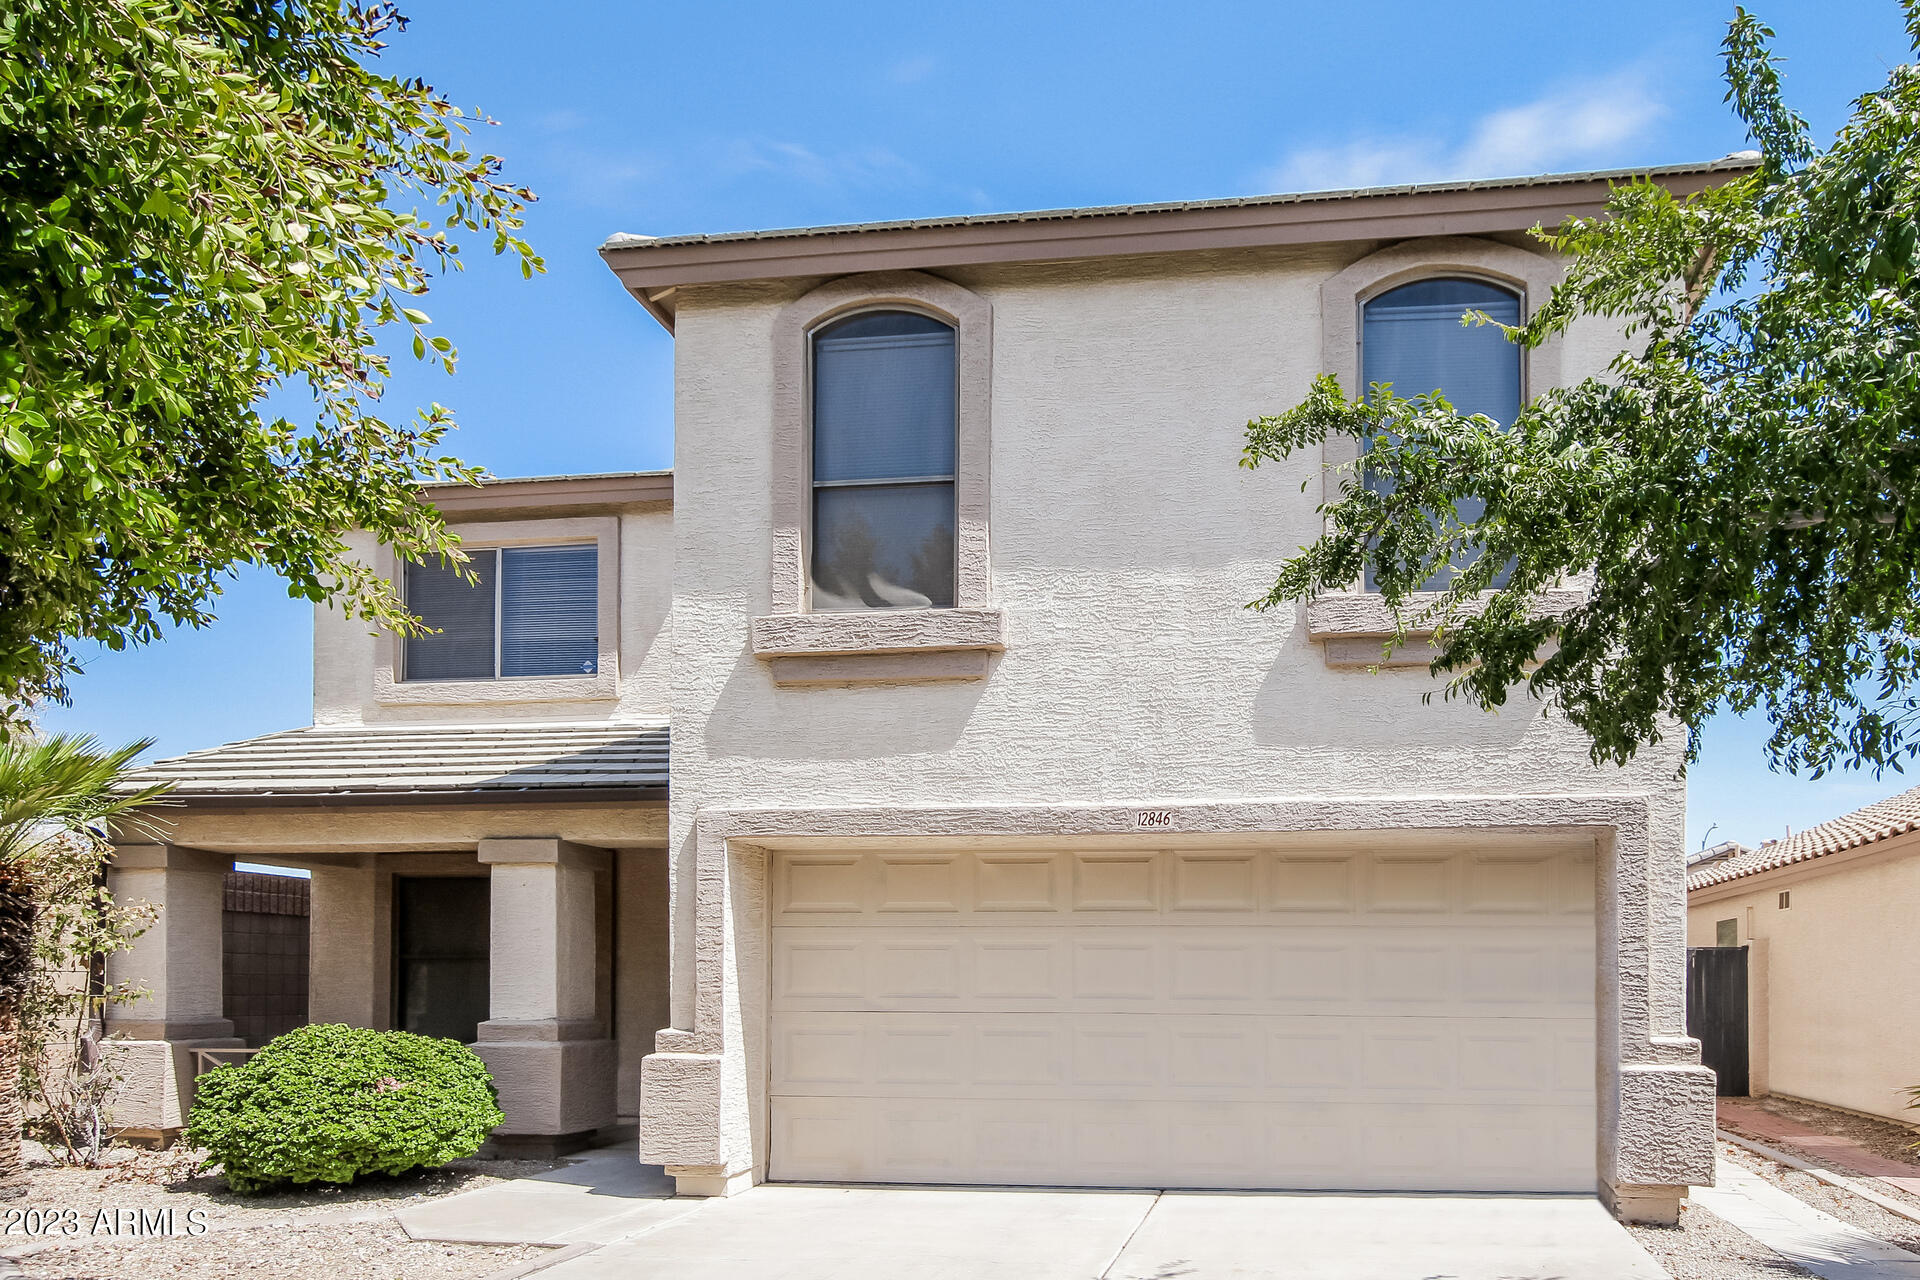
{"points": [[535, 612], [460, 614], [883, 407], [549, 611], [1413, 338]]}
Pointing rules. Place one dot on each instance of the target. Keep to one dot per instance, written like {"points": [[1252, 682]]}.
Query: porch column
{"points": [[347, 946], [177, 961], [546, 1039]]}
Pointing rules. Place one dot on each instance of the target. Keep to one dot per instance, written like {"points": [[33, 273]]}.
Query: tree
{"points": [[1738, 488], [55, 793], [200, 204]]}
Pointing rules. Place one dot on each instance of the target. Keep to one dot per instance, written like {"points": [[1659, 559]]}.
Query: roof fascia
{"points": [[550, 493], [649, 272], [645, 794]]}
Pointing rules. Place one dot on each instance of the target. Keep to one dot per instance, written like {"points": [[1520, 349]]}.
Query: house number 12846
{"points": [[1153, 818]]}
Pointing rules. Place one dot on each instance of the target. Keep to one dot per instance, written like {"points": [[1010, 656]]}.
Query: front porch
{"points": [[501, 885]]}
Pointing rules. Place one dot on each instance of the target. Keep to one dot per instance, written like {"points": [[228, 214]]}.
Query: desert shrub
{"points": [[330, 1103]]}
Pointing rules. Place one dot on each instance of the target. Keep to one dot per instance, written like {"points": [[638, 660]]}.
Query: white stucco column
{"points": [[177, 961], [545, 1039], [346, 947]]}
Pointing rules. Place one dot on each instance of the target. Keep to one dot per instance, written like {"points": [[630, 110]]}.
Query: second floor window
{"points": [[1412, 338], [535, 611], [884, 430]]}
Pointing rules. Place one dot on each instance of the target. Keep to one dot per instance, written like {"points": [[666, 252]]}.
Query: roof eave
{"points": [[641, 794], [651, 269]]}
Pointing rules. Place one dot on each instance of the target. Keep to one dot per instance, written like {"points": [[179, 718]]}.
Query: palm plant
{"points": [[58, 788]]}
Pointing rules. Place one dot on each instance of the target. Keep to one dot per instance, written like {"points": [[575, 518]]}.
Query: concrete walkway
{"points": [[900, 1233], [1842, 1153], [602, 1196], [1799, 1232]]}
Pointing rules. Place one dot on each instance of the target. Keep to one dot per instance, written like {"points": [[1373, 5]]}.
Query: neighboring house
{"points": [[1005, 844], [1833, 974]]}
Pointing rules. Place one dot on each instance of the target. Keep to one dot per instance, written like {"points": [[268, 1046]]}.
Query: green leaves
{"points": [[1737, 492], [201, 204]]}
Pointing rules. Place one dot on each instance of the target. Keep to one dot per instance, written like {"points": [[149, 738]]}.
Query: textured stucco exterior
{"points": [[1125, 543], [1833, 980]]}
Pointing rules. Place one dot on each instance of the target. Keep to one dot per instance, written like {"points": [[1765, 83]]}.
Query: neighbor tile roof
{"points": [[1893, 816], [435, 761]]}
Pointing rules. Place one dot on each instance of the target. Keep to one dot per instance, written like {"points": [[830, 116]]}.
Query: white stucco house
{"points": [[1003, 843]]}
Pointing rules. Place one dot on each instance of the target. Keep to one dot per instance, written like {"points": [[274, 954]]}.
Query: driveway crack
{"points": [[1106, 1272]]}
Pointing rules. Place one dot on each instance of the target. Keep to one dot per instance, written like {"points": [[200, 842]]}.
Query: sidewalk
{"points": [[1843, 1154], [602, 1196], [1800, 1233]]}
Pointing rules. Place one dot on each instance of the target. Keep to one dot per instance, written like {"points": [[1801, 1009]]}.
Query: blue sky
{"points": [[717, 117]]}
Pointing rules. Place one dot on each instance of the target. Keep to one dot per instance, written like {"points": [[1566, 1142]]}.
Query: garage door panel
{"points": [[1088, 888], [1198, 1145], [1430, 971], [1419, 1017], [1169, 1058]]}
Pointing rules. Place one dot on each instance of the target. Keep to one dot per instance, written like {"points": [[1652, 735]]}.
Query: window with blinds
{"points": [[533, 611], [1411, 337], [884, 434]]}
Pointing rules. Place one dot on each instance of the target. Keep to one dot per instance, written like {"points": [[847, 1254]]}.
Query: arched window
{"points": [[884, 432], [1412, 338]]}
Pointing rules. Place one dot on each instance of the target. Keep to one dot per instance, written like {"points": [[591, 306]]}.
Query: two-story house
{"points": [[1004, 843]]}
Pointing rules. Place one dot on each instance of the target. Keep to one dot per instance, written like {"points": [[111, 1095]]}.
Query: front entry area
{"points": [[1384, 1016]]}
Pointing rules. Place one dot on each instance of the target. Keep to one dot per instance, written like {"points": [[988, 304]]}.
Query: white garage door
{"points": [[1391, 1018]]}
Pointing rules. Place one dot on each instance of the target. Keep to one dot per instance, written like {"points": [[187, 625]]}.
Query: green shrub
{"points": [[329, 1103]]}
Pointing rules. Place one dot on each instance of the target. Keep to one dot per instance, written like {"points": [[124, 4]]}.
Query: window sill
{"points": [[893, 647], [602, 687], [1352, 627]]}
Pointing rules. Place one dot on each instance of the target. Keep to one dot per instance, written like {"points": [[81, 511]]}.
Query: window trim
{"points": [[790, 627], [391, 688], [1345, 295], [1351, 623]]}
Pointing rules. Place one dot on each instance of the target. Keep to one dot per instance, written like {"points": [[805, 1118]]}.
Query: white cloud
{"points": [[1585, 123], [862, 167]]}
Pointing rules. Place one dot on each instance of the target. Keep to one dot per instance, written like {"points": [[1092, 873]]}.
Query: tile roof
{"points": [[1891, 817], [1734, 161], [395, 762]]}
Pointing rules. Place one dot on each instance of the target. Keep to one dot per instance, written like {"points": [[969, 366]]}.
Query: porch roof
{"points": [[500, 763]]}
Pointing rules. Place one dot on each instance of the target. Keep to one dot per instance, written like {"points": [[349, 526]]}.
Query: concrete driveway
{"points": [[888, 1233]]}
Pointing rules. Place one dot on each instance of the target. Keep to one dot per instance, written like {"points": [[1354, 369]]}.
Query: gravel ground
{"points": [[152, 1214], [356, 1251], [1883, 1137], [147, 1180], [1703, 1247]]}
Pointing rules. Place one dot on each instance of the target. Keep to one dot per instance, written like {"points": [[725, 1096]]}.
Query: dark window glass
{"points": [[535, 611], [1411, 337], [884, 428], [461, 615]]}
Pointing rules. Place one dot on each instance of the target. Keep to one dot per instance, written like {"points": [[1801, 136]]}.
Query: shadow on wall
{"points": [[1305, 704], [755, 719]]}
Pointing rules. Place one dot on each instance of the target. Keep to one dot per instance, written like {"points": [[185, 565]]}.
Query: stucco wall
{"points": [[1125, 543], [345, 651], [1841, 974]]}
